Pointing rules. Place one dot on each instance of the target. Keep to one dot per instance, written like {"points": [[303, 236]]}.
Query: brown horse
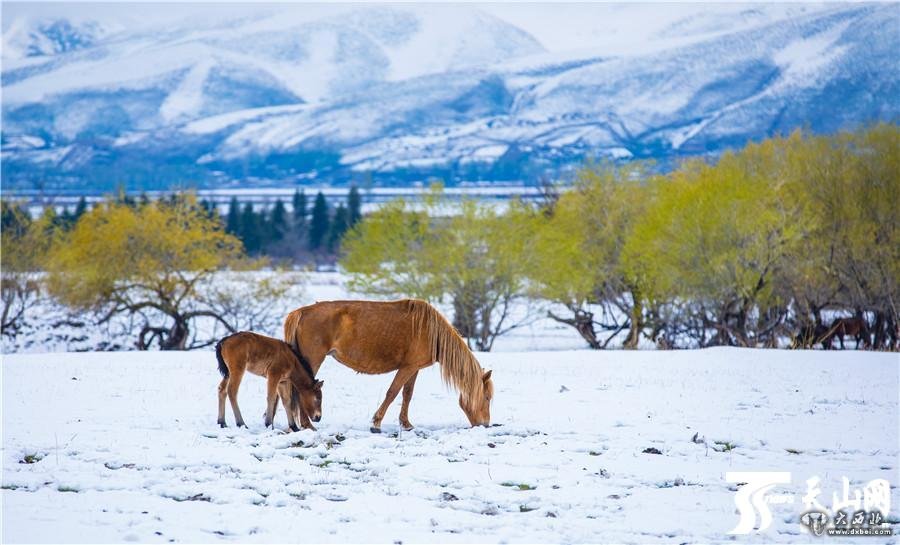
{"points": [[855, 327], [287, 375], [379, 337]]}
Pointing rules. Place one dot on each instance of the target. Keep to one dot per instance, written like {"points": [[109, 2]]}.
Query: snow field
{"points": [[124, 447]]}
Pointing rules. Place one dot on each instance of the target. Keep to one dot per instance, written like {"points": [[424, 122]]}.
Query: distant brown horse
{"points": [[855, 327], [379, 337], [285, 372]]}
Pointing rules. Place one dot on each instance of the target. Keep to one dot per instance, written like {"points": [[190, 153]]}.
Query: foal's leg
{"points": [[271, 398], [284, 391], [234, 382], [407, 396], [222, 393], [400, 379]]}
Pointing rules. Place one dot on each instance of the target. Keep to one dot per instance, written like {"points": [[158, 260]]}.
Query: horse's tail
{"points": [[292, 329], [291, 337], [459, 367], [222, 367]]}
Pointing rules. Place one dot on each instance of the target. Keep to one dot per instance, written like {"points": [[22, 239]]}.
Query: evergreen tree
{"points": [[80, 209], [278, 221], [339, 225], [250, 229], [318, 227], [299, 204], [354, 204], [233, 223], [66, 219]]}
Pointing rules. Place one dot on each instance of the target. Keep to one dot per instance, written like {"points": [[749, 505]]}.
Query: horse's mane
{"points": [[459, 367]]}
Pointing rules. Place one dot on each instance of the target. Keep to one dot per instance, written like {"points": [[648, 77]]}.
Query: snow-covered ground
{"points": [[124, 447]]}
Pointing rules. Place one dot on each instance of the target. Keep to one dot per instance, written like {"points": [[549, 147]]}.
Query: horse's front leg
{"points": [[284, 391], [407, 396], [271, 398], [403, 375]]}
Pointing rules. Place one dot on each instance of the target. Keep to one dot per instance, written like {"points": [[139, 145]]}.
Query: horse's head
{"points": [[478, 411], [311, 400]]}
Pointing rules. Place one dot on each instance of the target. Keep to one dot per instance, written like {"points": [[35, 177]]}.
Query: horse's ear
{"points": [[487, 376], [320, 383]]}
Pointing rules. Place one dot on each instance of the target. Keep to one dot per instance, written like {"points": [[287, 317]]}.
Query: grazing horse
{"points": [[376, 337], [852, 327], [286, 375]]}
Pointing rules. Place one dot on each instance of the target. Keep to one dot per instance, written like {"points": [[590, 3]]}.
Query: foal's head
{"points": [[311, 400], [478, 411]]}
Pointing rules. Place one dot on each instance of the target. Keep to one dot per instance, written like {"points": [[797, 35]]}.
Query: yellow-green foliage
{"points": [[24, 242], [160, 248], [851, 182], [388, 253], [576, 250], [714, 233]]}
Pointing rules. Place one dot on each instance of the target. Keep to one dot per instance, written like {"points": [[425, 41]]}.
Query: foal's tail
{"points": [[222, 367]]}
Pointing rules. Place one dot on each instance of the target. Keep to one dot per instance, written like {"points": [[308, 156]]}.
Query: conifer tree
{"points": [[250, 231], [80, 209], [354, 205], [277, 221], [299, 204], [318, 227], [339, 225], [233, 223]]}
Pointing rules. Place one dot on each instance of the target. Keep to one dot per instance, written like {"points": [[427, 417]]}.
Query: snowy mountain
{"points": [[274, 94]]}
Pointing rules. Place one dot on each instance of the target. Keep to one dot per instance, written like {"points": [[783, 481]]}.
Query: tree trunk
{"points": [[583, 322], [176, 337], [637, 320]]}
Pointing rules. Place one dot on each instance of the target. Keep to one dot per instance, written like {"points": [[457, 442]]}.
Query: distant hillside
{"points": [[391, 95]]}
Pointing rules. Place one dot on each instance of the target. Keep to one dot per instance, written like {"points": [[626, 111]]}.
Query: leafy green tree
{"points": [[24, 244], [475, 257], [148, 262], [319, 223], [717, 236], [576, 253]]}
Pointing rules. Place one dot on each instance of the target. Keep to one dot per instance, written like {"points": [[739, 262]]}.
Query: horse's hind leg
{"points": [[234, 382], [284, 391], [222, 393], [407, 396], [403, 374]]}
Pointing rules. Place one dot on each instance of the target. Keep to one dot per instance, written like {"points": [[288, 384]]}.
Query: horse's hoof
{"points": [[295, 428], [373, 429], [407, 427], [221, 424]]}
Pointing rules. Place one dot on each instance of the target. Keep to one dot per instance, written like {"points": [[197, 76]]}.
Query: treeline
{"points": [[303, 234], [768, 246]]}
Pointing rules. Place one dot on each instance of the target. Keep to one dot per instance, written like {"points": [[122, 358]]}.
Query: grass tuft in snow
{"points": [[724, 446], [31, 458], [518, 486]]}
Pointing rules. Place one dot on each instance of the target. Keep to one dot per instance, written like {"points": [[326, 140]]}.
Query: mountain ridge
{"points": [[330, 103]]}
